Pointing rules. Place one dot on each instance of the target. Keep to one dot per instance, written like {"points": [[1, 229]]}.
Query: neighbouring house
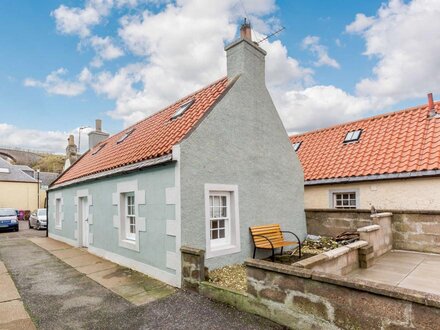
{"points": [[197, 173], [45, 179], [18, 190], [389, 162]]}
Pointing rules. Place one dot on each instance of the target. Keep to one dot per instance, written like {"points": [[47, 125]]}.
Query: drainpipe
{"points": [[46, 204]]}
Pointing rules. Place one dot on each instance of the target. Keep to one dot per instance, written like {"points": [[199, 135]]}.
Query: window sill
{"points": [[222, 250], [129, 244], [58, 227]]}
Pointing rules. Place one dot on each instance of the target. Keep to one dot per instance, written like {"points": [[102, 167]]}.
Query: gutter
{"points": [[405, 175], [116, 171]]}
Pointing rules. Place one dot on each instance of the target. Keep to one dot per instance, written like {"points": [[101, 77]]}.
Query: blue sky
{"points": [[65, 63]]}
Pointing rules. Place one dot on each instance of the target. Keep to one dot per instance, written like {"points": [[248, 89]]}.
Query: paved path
{"points": [[12, 312], [59, 297]]}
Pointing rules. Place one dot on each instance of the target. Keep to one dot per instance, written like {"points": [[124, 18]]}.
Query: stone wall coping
{"points": [[353, 283], [381, 215], [193, 251], [357, 245], [279, 268], [368, 229], [426, 212], [312, 261], [333, 254]]}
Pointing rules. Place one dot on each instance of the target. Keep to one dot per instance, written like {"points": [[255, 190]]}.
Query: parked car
{"points": [[8, 219], [38, 219]]}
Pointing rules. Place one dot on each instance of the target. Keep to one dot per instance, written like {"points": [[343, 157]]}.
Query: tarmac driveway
{"points": [[59, 297]]}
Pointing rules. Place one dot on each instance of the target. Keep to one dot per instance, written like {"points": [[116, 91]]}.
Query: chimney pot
{"points": [[71, 140], [98, 125], [245, 31], [430, 101]]}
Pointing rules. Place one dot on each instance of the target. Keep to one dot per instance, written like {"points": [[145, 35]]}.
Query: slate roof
{"points": [[15, 174], [152, 137], [406, 141]]}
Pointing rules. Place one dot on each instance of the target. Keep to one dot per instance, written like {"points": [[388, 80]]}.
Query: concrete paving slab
{"points": [[8, 291], [84, 259], [113, 277], [25, 324], [380, 276], [67, 253], [96, 267], [150, 296], [3, 269], [11, 311], [50, 244]]}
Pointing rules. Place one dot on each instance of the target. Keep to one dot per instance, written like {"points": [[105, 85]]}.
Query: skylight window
{"points": [[353, 136], [126, 135], [185, 106], [296, 145], [4, 170], [99, 148]]}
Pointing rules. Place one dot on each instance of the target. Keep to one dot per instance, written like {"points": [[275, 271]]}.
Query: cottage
{"points": [[198, 173], [389, 162]]}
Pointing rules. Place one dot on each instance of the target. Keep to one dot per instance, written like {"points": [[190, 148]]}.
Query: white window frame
{"points": [[226, 240], [231, 243], [58, 213], [130, 215], [120, 220], [333, 199]]}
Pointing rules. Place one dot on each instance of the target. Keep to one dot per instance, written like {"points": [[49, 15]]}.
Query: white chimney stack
{"points": [[97, 135]]}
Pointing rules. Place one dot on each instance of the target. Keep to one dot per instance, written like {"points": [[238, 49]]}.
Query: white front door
{"points": [[84, 223]]}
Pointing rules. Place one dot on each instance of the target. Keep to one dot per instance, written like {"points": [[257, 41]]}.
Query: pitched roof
{"points": [[9, 172], [399, 142], [151, 138]]}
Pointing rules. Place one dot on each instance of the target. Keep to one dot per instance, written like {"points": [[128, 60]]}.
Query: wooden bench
{"points": [[270, 237]]}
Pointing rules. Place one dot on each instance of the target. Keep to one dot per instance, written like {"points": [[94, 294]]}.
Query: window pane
{"points": [[353, 202], [216, 212], [353, 196], [214, 224], [345, 203], [221, 233], [338, 203], [214, 234], [345, 196], [223, 200], [223, 211], [216, 201], [221, 224]]}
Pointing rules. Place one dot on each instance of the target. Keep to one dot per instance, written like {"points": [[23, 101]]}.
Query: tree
{"points": [[50, 163]]}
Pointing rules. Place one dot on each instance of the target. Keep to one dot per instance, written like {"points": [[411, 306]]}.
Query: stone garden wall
{"points": [[411, 230], [306, 299]]}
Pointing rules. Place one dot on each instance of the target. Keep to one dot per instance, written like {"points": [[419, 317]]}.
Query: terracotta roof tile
{"points": [[152, 137], [397, 142]]}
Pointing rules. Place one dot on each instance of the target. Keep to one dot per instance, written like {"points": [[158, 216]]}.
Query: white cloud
{"points": [[46, 141], [105, 50], [320, 106], [181, 56], [55, 84], [404, 38], [360, 24], [321, 52]]}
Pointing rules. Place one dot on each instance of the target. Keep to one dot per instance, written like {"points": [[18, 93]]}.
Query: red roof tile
{"points": [[397, 142], [152, 137]]}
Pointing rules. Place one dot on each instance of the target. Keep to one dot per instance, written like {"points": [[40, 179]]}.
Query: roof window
{"points": [[353, 136], [4, 170], [296, 145], [126, 135], [99, 148], [185, 106]]}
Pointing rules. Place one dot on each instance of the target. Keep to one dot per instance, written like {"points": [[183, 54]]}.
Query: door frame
{"points": [[83, 203]]}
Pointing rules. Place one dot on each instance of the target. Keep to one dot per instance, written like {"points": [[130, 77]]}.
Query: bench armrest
{"points": [[299, 241]]}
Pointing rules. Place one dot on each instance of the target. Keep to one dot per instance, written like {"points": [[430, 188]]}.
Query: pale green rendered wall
{"points": [[154, 242]]}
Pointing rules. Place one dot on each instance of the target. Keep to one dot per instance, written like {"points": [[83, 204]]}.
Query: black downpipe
{"points": [[47, 213]]}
